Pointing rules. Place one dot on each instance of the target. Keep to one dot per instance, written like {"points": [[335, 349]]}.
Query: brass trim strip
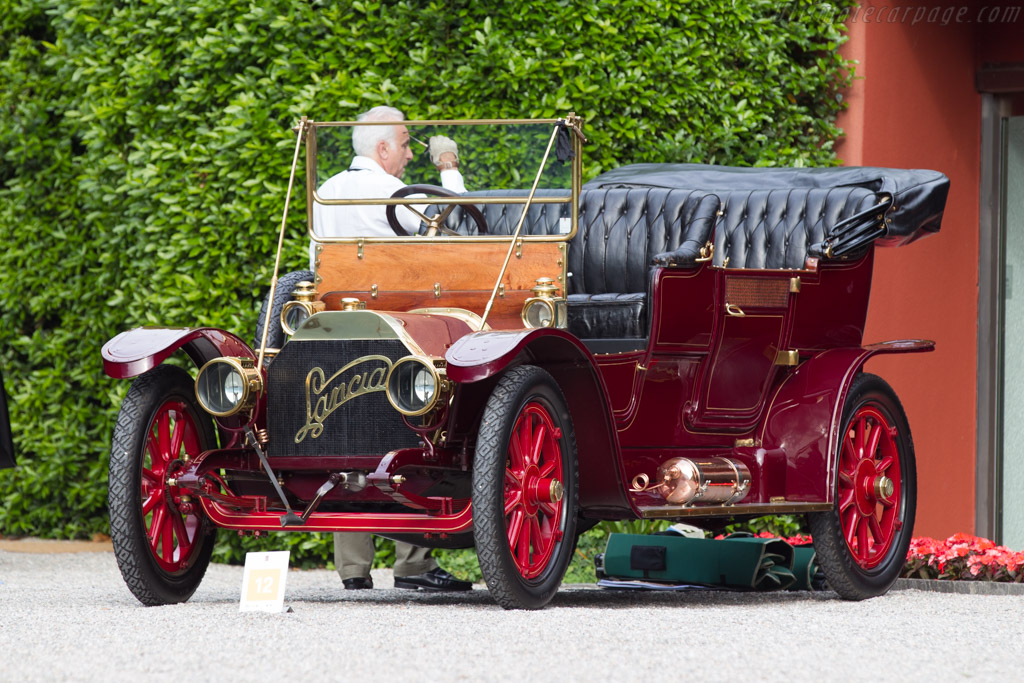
{"points": [[436, 122], [789, 357], [458, 201], [440, 239], [672, 512]]}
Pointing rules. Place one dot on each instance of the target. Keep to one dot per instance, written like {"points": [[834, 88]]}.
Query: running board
{"points": [[675, 511]]}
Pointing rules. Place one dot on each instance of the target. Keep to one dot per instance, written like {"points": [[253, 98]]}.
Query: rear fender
{"points": [[805, 414], [134, 352], [483, 355]]}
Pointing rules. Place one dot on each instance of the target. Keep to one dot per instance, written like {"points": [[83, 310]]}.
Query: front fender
{"points": [[481, 355], [805, 415], [134, 352]]}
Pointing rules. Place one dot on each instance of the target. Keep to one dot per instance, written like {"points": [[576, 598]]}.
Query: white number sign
{"points": [[263, 581]]}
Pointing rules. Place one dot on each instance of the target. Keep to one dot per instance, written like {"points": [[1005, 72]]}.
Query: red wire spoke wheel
{"points": [[172, 439], [162, 541], [869, 486], [862, 543], [533, 490], [525, 489]]}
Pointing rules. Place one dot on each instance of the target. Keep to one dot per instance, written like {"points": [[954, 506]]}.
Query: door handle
{"points": [[734, 310]]}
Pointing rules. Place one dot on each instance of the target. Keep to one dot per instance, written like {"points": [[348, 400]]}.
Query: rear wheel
{"points": [[862, 543], [524, 489], [161, 540]]}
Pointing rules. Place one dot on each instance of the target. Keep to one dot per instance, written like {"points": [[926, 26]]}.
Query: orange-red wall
{"points": [[914, 105]]}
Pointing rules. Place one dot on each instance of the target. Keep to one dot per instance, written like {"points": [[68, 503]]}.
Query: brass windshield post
{"points": [[300, 132], [519, 227]]}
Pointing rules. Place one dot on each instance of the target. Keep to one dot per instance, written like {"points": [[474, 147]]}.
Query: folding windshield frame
{"points": [[572, 122]]}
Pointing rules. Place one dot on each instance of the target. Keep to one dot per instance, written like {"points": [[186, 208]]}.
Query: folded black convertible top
{"points": [[918, 196]]}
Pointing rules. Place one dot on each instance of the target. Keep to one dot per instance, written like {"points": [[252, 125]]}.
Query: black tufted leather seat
{"points": [[622, 234], [776, 229], [502, 219]]}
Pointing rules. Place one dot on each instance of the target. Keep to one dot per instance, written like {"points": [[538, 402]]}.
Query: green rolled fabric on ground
{"points": [[809, 576], [735, 562]]}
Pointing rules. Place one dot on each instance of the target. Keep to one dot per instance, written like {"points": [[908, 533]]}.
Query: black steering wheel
{"points": [[436, 222]]}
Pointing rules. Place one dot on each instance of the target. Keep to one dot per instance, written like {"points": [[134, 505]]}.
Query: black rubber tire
{"points": [[507, 584], [842, 571], [282, 295], [147, 580]]}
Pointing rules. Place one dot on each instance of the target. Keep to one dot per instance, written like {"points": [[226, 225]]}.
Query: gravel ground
{"points": [[70, 617]]}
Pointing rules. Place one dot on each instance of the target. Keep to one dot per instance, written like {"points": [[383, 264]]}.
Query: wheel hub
{"points": [[540, 490], [884, 488], [866, 477], [532, 495]]}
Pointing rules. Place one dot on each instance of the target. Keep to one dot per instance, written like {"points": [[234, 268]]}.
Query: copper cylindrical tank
{"points": [[709, 480]]}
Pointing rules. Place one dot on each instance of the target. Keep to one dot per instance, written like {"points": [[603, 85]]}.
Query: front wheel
{"points": [[162, 540], [862, 543], [525, 489]]}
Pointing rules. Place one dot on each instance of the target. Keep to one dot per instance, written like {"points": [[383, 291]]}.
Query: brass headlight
{"points": [[302, 305], [539, 313], [414, 386], [545, 308], [226, 386]]}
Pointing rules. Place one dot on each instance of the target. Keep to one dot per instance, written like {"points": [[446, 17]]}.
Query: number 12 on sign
{"points": [[263, 581]]}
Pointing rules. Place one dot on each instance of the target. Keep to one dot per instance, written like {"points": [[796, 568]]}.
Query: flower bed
{"points": [[963, 557]]}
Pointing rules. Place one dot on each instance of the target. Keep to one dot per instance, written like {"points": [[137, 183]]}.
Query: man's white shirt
{"points": [[366, 179]]}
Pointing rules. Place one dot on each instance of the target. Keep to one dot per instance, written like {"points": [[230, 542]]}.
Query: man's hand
{"points": [[444, 153]]}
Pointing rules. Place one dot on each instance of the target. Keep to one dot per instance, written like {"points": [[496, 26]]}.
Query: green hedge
{"points": [[145, 152]]}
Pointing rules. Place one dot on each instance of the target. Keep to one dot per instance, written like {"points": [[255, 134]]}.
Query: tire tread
{"points": [[136, 411], [841, 571], [488, 490]]}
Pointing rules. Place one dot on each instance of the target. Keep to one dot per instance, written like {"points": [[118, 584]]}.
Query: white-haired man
{"points": [[375, 173]]}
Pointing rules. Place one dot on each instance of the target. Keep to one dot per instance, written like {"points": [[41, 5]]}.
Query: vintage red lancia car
{"points": [[666, 341]]}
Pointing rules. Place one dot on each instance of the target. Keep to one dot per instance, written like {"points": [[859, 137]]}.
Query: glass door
{"points": [[1010, 487]]}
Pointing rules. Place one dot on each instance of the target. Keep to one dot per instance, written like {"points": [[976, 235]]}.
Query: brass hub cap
{"points": [[884, 488]]}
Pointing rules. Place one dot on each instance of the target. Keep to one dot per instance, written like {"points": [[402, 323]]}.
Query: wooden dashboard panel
{"points": [[436, 274]]}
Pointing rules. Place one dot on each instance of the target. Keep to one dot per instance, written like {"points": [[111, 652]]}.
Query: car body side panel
{"points": [[483, 355], [134, 352], [804, 416]]}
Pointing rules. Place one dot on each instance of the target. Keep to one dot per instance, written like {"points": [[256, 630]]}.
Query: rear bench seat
{"points": [[624, 232], [779, 229]]}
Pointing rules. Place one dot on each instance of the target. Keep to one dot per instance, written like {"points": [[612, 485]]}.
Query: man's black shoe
{"points": [[434, 580], [358, 583]]}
